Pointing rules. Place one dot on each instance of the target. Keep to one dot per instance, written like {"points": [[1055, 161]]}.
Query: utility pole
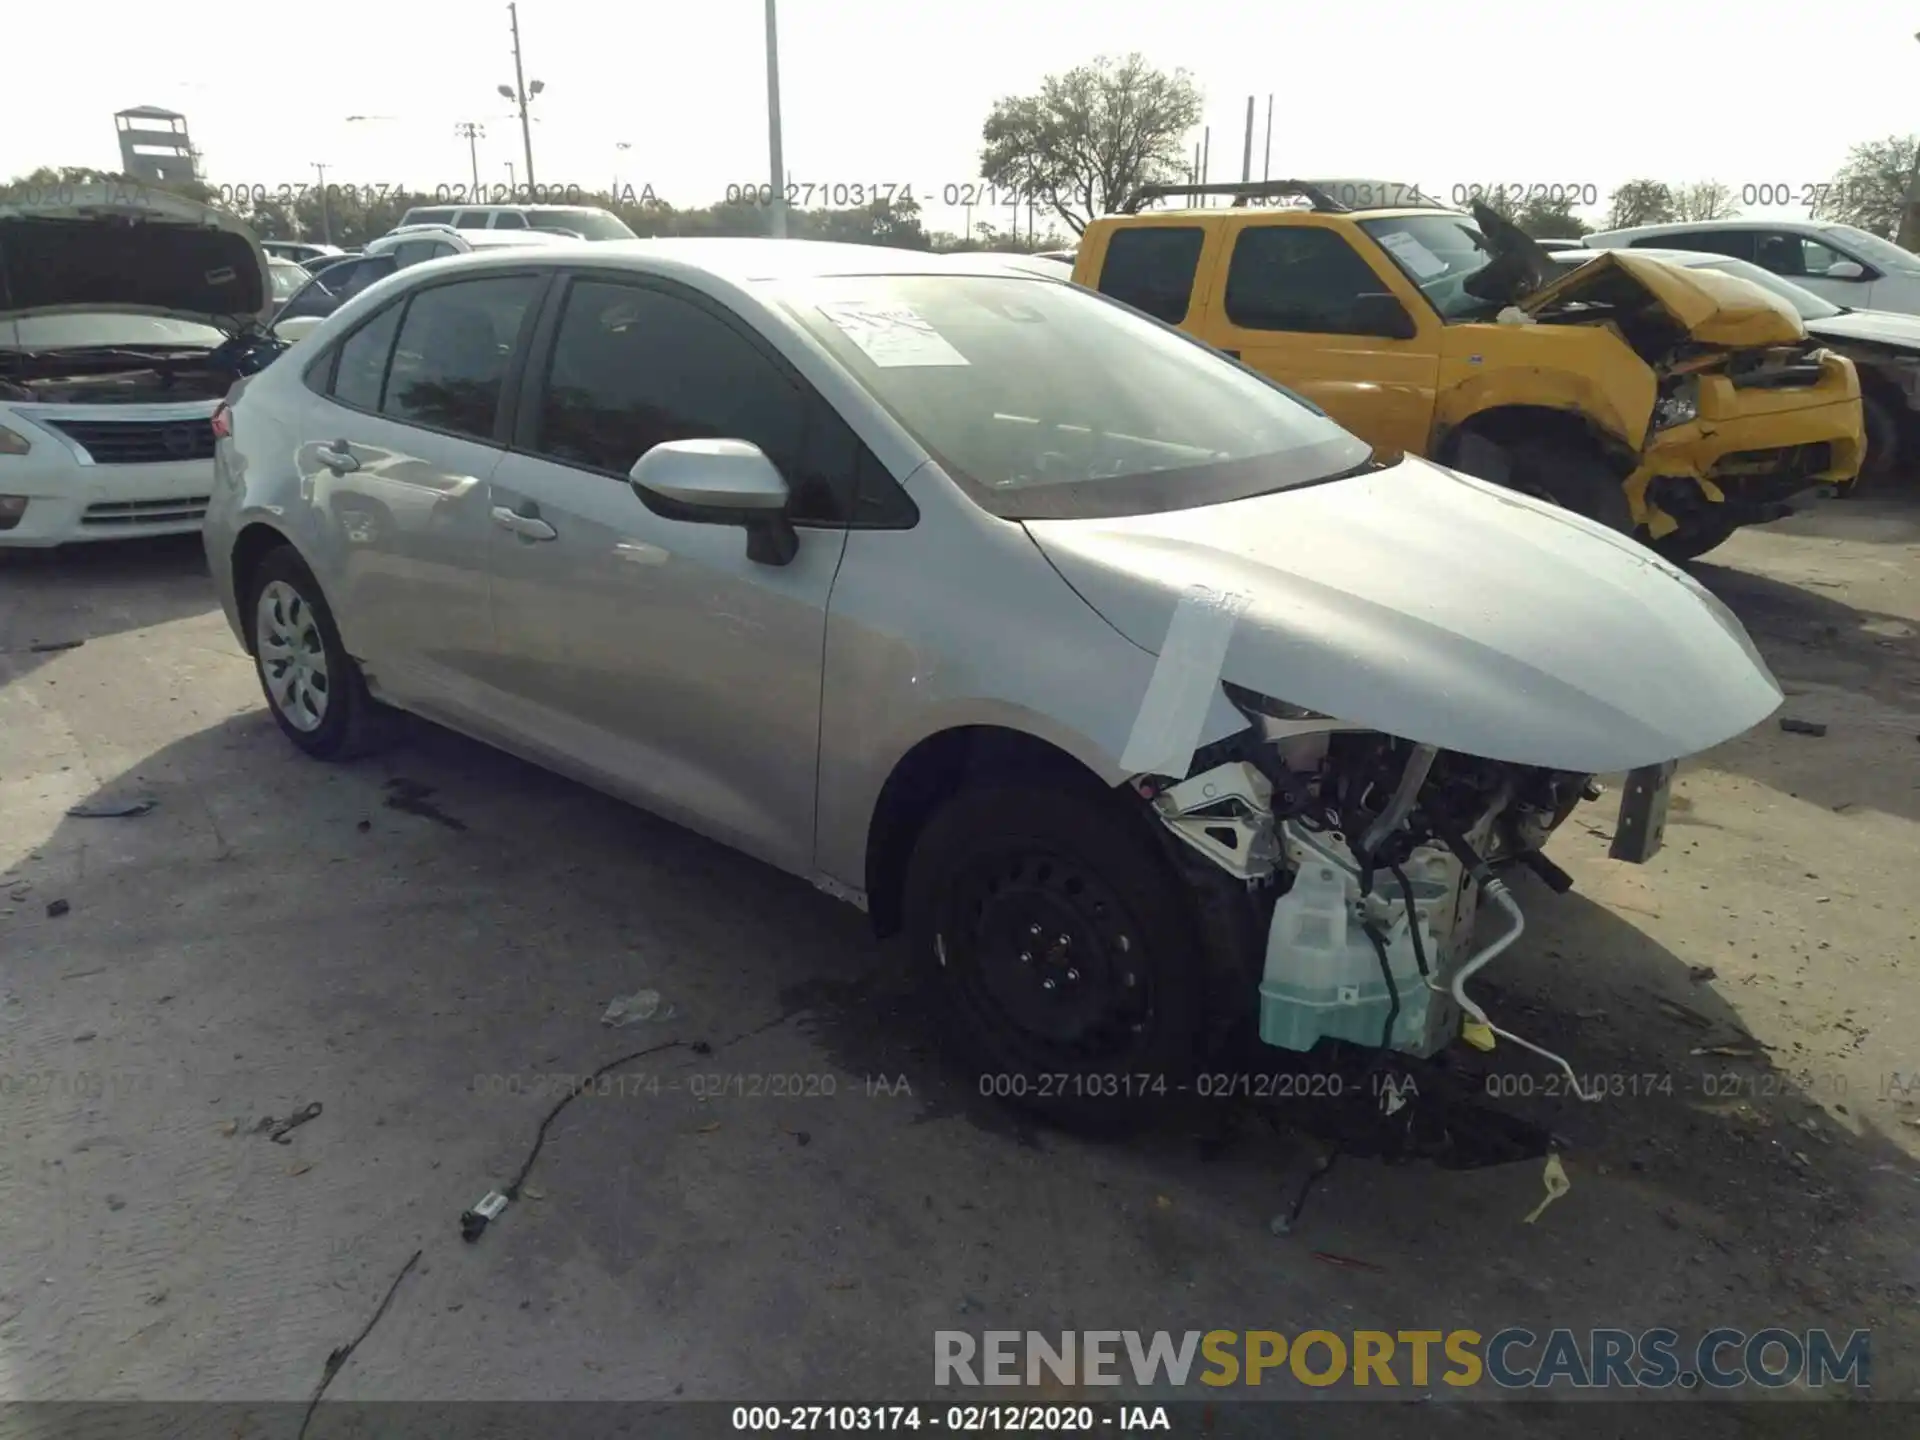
{"points": [[1206, 158], [1908, 233], [472, 130], [326, 210], [1246, 154], [521, 93], [775, 165], [1266, 172]]}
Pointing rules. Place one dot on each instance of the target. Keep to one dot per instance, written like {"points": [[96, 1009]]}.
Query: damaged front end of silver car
{"points": [[1371, 859]]}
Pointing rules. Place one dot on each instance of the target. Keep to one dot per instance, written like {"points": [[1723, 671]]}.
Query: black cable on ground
{"points": [[338, 1358]]}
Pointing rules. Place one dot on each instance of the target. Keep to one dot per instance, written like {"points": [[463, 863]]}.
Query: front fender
{"points": [[1615, 397]]}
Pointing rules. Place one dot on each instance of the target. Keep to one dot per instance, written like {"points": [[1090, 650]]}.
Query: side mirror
{"points": [[1846, 270], [720, 482], [1383, 314], [296, 328]]}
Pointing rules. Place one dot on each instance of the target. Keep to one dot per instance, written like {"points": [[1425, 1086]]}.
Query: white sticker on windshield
{"points": [[891, 335], [1424, 264]]}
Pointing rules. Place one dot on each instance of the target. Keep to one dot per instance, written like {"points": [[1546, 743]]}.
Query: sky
{"points": [[892, 92]]}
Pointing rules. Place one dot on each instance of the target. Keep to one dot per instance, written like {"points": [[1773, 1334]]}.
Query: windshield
{"points": [[1439, 253], [587, 224], [1875, 251], [65, 332], [287, 279], [1045, 401], [1810, 305]]}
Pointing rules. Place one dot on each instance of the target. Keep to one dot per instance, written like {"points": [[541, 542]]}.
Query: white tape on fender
{"points": [[1180, 692]]}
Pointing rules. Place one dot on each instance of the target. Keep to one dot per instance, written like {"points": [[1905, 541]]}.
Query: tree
{"points": [[1871, 189], [1639, 202], [1091, 137], [1538, 216], [1704, 200]]}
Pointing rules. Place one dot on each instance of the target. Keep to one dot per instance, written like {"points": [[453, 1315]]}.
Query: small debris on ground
{"points": [[1792, 726], [1347, 1262], [802, 1137], [1555, 1176], [112, 809], [631, 1009], [114, 1202], [1685, 1014], [709, 1127], [300, 1167], [47, 647], [57, 908], [1700, 974], [410, 796]]}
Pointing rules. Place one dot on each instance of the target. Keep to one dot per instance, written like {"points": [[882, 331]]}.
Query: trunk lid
{"points": [[1439, 609], [72, 249]]}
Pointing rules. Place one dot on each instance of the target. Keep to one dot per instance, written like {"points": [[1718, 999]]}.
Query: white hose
{"points": [[1495, 890]]}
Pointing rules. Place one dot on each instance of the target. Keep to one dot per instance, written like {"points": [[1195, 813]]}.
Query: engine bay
{"points": [[1370, 859]]}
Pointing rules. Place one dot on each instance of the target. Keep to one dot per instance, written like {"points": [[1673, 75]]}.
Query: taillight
{"points": [[223, 421]]}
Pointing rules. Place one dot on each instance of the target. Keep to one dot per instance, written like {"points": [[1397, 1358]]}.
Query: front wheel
{"points": [[1559, 471], [1694, 538], [1061, 948]]}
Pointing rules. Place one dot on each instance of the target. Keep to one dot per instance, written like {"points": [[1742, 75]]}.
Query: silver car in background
{"points": [[1148, 703]]}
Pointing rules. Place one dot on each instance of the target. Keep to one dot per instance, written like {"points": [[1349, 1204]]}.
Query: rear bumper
{"points": [[1756, 450]]}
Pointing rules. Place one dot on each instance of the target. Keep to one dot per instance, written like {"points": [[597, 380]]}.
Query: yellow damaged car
{"points": [[1675, 404]]}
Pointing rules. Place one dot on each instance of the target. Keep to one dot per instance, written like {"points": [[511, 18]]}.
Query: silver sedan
{"points": [[1156, 709]]}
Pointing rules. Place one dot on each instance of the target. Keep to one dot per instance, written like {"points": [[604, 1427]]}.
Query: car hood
{"points": [[1881, 327], [1442, 610], [132, 249], [1709, 307]]}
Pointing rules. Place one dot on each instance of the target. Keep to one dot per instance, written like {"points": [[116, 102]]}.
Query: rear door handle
{"points": [[338, 458], [526, 526]]}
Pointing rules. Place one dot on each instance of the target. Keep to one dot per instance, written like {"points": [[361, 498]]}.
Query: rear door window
{"points": [[1151, 267], [412, 252], [451, 356], [362, 366], [470, 220], [509, 220]]}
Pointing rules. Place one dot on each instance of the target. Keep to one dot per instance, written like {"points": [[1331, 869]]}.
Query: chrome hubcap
{"points": [[293, 658]]}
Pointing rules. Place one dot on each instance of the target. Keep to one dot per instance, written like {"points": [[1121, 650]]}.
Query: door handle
{"points": [[338, 458], [526, 526]]}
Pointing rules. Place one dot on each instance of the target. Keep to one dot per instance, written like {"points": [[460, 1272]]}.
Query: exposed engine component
{"points": [[1374, 855], [1227, 815]]}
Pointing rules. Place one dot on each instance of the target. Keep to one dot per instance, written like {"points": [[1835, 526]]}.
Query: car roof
{"points": [[1227, 212], [747, 260], [1688, 227]]}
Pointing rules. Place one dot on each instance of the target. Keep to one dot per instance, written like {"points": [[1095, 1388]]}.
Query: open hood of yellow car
{"points": [[1712, 307]]}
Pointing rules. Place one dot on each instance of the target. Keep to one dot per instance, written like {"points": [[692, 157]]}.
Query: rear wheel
{"points": [[1561, 472], [1061, 947], [313, 687]]}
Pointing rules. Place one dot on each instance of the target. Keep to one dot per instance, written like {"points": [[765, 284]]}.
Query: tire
{"points": [[1692, 541], [1103, 1021], [1882, 459], [324, 708], [1563, 473]]}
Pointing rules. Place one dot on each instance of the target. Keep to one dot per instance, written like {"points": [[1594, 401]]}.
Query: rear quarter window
{"points": [[1151, 267]]}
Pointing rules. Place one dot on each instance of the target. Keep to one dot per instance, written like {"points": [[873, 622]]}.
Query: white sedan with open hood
{"points": [[128, 314], [1152, 705]]}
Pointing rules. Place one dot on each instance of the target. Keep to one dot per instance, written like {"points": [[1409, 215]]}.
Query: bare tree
{"points": [[1639, 202], [1871, 190], [1704, 200], [1091, 137]]}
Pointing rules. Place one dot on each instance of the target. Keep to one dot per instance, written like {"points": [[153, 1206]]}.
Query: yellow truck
{"points": [[1670, 403]]}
